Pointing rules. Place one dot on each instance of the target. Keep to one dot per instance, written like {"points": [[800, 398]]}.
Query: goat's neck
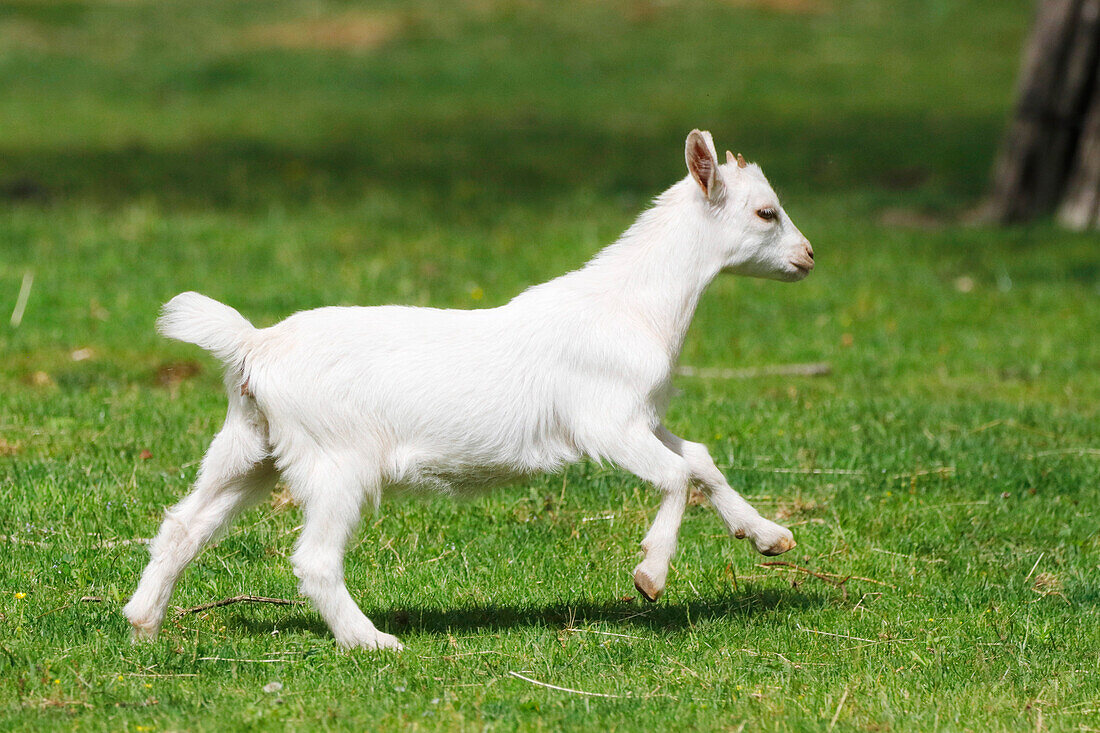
{"points": [[659, 268]]}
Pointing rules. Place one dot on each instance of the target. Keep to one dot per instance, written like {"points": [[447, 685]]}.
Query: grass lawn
{"points": [[942, 480]]}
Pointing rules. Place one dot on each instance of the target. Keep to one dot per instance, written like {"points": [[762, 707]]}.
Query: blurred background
{"points": [[246, 106]]}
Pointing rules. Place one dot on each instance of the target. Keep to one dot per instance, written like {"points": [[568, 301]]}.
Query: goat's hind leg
{"points": [[236, 473], [331, 502]]}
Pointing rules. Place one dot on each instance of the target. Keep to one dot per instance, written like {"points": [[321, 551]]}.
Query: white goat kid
{"points": [[348, 403]]}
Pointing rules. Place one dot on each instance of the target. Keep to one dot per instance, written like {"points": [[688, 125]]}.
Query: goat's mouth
{"points": [[801, 268]]}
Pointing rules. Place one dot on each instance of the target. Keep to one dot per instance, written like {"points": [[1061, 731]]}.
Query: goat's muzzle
{"points": [[804, 260]]}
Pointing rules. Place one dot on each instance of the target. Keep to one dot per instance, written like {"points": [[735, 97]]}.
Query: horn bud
{"points": [[741, 161]]}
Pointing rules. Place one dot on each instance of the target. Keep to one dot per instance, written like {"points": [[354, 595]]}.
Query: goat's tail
{"points": [[205, 322]]}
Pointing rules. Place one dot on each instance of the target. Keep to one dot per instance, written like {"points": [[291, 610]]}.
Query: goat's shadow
{"points": [[663, 615]]}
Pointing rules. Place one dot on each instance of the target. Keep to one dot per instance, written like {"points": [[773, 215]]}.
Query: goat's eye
{"points": [[767, 214]]}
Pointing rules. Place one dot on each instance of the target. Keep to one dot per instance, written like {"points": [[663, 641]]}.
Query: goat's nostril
{"points": [[809, 250]]}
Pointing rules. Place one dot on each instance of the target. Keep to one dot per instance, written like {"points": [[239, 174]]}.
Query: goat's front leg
{"points": [[741, 518], [651, 460]]}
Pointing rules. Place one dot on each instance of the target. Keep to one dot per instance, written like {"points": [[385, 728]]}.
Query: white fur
{"points": [[349, 403]]}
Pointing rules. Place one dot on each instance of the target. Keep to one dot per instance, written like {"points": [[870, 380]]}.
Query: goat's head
{"points": [[756, 236]]}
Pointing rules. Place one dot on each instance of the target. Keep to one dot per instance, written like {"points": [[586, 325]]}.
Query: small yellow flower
{"points": [[120, 678], [20, 596], [477, 293], [148, 686], [57, 682]]}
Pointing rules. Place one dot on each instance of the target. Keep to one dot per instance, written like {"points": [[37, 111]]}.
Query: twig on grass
{"points": [[237, 599], [234, 659], [834, 580], [911, 557], [836, 715], [941, 471], [795, 665], [733, 575], [153, 674], [839, 636], [561, 689], [20, 541], [810, 471], [21, 300], [52, 610], [1064, 452], [1012, 423], [811, 520], [437, 559], [876, 582], [104, 545], [1034, 566], [814, 369], [684, 667], [389, 546], [982, 502], [853, 638], [109, 544], [573, 629], [859, 604], [452, 657], [50, 703]]}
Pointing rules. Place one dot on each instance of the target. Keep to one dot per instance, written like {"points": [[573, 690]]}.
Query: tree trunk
{"points": [[1050, 159], [1080, 207]]}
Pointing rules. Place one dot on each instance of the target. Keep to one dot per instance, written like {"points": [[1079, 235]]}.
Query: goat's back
{"points": [[430, 393]]}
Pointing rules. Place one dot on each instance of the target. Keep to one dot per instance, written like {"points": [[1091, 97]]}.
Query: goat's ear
{"points": [[702, 162]]}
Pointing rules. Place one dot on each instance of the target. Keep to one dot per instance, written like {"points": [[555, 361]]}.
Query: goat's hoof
{"points": [[144, 624], [140, 634], [388, 641], [771, 538], [739, 534], [375, 641], [783, 544], [648, 587]]}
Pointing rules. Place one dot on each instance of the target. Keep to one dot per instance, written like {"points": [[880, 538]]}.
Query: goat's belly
{"points": [[470, 471], [456, 482]]}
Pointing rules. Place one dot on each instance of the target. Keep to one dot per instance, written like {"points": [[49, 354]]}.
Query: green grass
{"points": [[947, 466]]}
